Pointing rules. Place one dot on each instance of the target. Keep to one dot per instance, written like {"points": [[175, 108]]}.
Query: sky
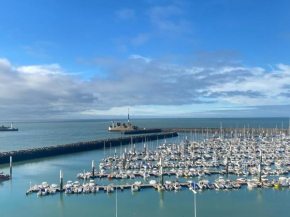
{"points": [[62, 59]]}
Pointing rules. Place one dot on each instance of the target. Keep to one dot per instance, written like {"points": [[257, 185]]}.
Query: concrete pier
{"points": [[35, 153]]}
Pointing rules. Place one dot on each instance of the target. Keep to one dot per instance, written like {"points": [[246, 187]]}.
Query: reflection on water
{"points": [[161, 199], [260, 198]]}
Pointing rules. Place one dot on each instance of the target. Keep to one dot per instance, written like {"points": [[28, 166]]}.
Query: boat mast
{"points": [[128, 117], [116, 202], [289, 126]]}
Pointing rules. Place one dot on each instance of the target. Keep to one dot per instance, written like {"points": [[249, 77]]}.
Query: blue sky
{"points": [[161, 58]]}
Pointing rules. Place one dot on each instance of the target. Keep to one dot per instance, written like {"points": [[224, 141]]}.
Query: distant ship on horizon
{"points": [[11, 128], [122, 126], [128, 128]]}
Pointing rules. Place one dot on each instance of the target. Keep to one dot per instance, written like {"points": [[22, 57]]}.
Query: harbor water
{"points": [[147, 202]]}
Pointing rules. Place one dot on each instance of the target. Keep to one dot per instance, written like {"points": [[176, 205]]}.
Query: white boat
{"points": [[241, 180], [160, 188], [152, 182], [53, 186], [42, 192], [146, 176], [110, 189], [138, 183], [124, 176], [68, 190], [80, 176], [134, 188], [92, 183], [236, 185], [52, 191], [78, 190], [177, 187], [69, 184], [39, 193], [86, 190], [76, 184], [44, 184], [95, 189], [252, 184]]}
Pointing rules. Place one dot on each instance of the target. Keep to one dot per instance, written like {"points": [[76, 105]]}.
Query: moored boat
{"points": [[4, 176]]}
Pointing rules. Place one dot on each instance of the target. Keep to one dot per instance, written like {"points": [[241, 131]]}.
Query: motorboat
{"points": [[69, 184], [4, 176], [138, 183], [110, 188], [42, 192], [92, 183], [44, 184], [134, 188], [252, 184], [160, 187], [236, 185], [76, 184], [177, 187], [68, 190]]}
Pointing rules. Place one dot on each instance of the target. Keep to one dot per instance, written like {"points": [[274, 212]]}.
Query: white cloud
{"points": [[136, 56], [41, 69], [140, 82], [4, 64]]}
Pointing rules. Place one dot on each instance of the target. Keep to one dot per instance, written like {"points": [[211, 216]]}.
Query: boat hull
{"points": [[5, 130], [4, 177]]}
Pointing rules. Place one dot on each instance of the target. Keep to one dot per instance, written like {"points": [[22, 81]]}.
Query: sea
{"points": [[147, 202]]}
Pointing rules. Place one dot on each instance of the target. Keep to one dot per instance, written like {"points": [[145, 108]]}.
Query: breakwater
{"points": [[34, 153], [228, 130]]}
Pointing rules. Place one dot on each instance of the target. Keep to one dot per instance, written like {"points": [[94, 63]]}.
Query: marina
{"points": [[167, 108], [259, 159], [185, 169]]}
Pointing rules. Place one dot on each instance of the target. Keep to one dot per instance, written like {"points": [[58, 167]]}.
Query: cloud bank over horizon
{"points": [[189, 87]]}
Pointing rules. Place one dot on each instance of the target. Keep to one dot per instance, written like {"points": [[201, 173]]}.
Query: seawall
{"points": [[227, 130], [34, 153]]}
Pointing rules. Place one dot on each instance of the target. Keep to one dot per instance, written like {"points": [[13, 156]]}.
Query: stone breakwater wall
{"points": [[227, 130], [34, 153]]}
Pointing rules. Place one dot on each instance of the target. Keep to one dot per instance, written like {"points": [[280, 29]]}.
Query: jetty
{"points": [[96, 188], [50, 151], [240, 131]]}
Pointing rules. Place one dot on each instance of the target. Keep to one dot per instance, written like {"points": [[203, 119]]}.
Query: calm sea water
{"points": [[147, 202], [41, 134]]}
